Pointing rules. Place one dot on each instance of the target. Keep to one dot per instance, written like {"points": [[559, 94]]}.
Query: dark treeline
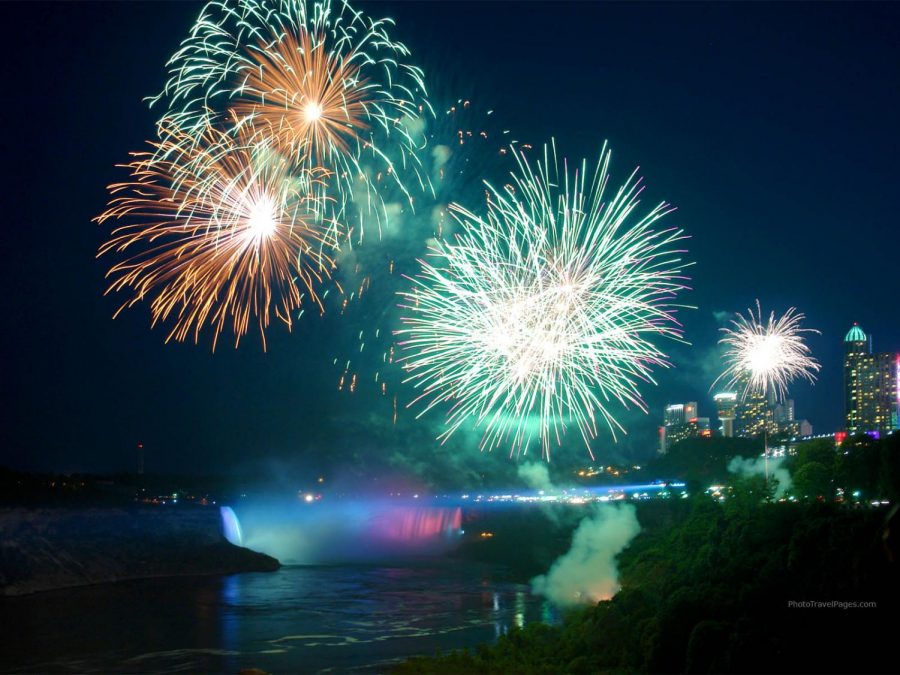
{"points": [[30, 489], [708, 587], [861, 464]]}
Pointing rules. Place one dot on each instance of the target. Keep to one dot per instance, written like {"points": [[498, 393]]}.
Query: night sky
{"points": [[772, 127]]}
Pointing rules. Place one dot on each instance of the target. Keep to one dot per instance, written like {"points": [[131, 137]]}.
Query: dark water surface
{"points": [[296, 620]]}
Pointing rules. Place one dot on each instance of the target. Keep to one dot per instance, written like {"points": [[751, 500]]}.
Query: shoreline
{"points": [[44, 550]]}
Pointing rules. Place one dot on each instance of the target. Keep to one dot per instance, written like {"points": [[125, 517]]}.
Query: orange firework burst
{"points": [[310, 100], [224, 232], [323, 82]]}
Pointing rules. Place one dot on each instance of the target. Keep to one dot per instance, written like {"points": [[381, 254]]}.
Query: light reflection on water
{"points": [[299, 619]]}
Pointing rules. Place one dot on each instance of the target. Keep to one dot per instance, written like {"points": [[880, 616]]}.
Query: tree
{"points": [[701, 461], [813, 479], [889, 471], [706, 647], [859, 465], [820, 450]]}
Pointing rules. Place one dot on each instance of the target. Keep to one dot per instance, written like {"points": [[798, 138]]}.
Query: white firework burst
{"points": [[765, 356], [541, 313]]}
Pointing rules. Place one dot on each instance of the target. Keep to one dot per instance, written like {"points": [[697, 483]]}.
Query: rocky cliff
{"points": [[49, 548]]}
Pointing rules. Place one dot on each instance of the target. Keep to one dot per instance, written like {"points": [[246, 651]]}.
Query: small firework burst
{"points": [[766, 355]]}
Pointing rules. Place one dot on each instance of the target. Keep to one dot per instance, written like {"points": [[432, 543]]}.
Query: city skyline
{"points": [[870, 394]]}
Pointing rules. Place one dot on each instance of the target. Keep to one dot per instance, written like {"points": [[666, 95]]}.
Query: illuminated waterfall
{"points": [[413, 524], [231, 526]]}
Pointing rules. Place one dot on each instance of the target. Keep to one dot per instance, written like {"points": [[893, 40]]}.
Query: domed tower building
{"points": [[871, 395]]}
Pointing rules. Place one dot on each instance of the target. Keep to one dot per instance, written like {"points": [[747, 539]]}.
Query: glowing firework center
{"points": [[536, 334], [262, 219], [763, 354], [312, 112]]}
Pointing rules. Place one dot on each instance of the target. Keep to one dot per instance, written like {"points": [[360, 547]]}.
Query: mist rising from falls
{"points": [[345, 531]]}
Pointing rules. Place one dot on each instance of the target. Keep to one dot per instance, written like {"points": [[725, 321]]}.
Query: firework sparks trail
{"points": [[463, 146], [539, 315], [766, 355], [233, 232], [327, 84]]}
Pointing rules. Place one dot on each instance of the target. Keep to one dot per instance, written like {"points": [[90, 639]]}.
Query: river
{"points": [[301, 619]]}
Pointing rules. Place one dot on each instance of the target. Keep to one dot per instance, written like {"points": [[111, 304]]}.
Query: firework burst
{"points": [[540, 314], [766, 355], [326, 84], [311, 103], [233, 232]]}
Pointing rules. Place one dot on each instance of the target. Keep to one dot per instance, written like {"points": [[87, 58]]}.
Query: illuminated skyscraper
{"points": [[754, 416], [680, 422], [871, 394], [680, 413], [786, 421], [726, 408], [784, 412], [754, 413]]}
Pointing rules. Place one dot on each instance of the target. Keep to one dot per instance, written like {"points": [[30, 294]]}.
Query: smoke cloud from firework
{"points": [[757, 467], [465, 145], [535, 475], [588, 572]]}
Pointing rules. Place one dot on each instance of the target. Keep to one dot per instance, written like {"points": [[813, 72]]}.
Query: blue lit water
{"points": [[297, 620]]}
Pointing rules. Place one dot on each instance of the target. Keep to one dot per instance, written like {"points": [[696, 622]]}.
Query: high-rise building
{"points": [[784, 412], [680, 413], [726, 408], [680, 421], [699, 426], [754, 416], [786, 422], [754, 412], [795, 428], [871, 386]]}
